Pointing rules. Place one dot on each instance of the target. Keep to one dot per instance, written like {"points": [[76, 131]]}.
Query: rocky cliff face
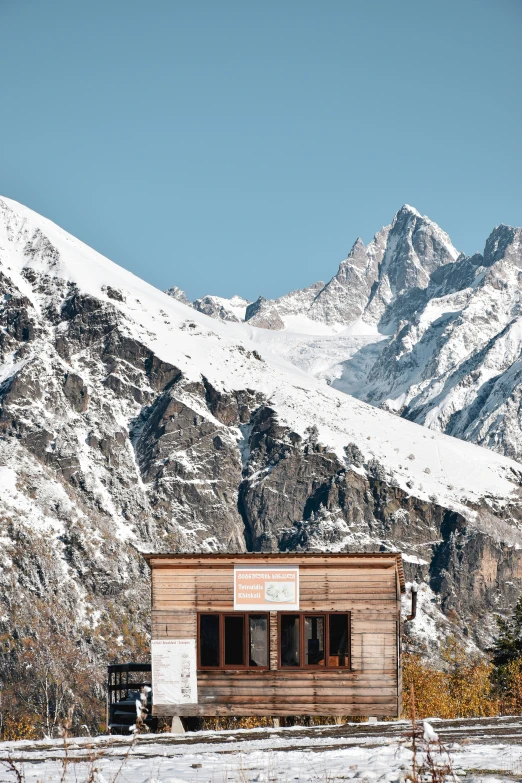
{"points": [[264, 314], [131, 421]]}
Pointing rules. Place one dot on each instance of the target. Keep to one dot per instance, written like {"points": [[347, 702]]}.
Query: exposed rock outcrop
{"points": [[264, 314]]}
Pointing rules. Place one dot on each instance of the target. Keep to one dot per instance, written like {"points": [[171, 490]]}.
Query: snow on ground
{"points": [[299, 323], [236, 356], [323, 356], [322, 754]]}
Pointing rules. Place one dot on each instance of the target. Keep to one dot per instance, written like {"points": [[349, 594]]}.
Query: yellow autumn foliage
{"points": [[463, 689], [510, 690]]}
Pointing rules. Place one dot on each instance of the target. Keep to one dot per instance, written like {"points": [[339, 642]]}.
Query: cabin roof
{"points": [[320, 557]]}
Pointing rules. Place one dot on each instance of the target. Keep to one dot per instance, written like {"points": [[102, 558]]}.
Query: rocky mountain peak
{"points": [[400, 257], [504, 242], [179, 295], [263, 313], [408, 209], [232, 309], [414, 237], [225, 309], [414, 247], [357, 256]]}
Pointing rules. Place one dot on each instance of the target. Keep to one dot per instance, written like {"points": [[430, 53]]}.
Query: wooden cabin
{"points": [[276, 634]]}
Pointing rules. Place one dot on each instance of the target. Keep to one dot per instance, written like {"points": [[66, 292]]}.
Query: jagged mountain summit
{"points": [[132, 421], [455, 363], [429, 333], [399, 258]]}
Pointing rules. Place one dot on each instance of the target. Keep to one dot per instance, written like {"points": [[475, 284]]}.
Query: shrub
{"points": [[354, 455], [508, 644], [508, 685], [463, 689], [507, 662], [377, 469]]}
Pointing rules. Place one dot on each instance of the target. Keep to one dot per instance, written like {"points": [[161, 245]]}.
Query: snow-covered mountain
{"points": [[130, 420], [411, 325], [399, 258], [456, 363], [233, 309]]}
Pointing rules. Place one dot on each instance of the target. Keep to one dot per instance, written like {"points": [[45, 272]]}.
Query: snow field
{"points": [[283, 755]]}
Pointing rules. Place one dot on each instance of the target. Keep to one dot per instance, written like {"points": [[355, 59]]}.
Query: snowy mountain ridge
{"points": [[413, 326], [401, 256], [132, 421], [214, 349]]}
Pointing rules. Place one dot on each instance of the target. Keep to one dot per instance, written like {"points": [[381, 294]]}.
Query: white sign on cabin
{"points": [[174, 676], [268, 588]]}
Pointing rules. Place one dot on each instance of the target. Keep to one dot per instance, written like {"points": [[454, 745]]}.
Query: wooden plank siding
{"points": [[369, 587]]}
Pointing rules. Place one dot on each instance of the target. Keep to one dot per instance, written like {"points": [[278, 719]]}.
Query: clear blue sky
{"points": [[242, 145]]}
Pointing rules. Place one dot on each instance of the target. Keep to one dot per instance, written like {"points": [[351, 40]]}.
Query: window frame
{"points": [[246, 641], [314, 666]]}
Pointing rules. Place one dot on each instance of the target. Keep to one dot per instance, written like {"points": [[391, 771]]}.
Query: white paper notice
{"points": [[174, 677]]}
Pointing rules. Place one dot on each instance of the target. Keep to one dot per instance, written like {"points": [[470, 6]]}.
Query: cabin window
{"points": [[233, 641], [258, 640], [315, 640], [338, 631], [209, 640], [290, 640]]}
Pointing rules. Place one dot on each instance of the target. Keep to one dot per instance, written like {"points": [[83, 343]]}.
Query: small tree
{"points": [[508, 681], [507, 662], [312, 434], [508, 644], [354, 454], [377, 470]]}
